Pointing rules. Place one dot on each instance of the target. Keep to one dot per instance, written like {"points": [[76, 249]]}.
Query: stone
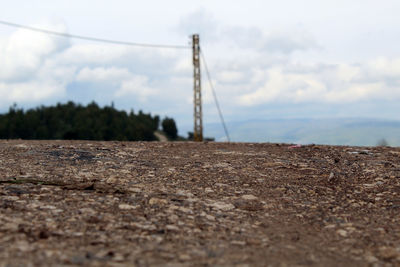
{"points": [[208, 190], [157, 201], [172, 227], [222, 206], [184, 257], [249, 197], [238, 243], [388, 253], [342, 233], [210, 217], [126, 207], [134, 189], [371, 258]]}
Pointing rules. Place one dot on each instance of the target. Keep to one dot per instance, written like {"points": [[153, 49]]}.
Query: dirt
{"points": [[198, 204]]}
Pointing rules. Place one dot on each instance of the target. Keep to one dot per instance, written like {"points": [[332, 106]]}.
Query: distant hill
{"points": [[76, 122], [347, 131]]}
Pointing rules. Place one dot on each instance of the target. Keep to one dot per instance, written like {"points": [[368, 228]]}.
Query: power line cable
{"points": [[215, 96], [11, 24]]}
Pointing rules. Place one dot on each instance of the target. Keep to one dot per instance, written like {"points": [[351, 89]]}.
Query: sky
{"points": [[267, 59]]}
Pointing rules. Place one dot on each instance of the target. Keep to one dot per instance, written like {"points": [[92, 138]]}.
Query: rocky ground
{"points": [[198, 204]]}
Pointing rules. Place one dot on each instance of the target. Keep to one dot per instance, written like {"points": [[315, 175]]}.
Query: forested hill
{"points": [[76, 122]]}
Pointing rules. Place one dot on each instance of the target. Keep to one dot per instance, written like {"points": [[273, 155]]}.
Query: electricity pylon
{"points": [[198, 116]]}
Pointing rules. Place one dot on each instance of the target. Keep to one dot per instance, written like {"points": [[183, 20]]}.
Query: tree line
{"points": [[72, 121]]}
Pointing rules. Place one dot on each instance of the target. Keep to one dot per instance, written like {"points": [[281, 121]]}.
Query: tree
{"points": [[74, 121], [169, 128]]}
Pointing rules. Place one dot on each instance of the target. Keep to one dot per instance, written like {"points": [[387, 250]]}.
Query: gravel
{"points": [[198, 204]]}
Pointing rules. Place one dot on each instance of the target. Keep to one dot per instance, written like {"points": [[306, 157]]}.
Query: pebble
{"points": [[157, 201], [172, 227], [184, 257], [249, 197], [126, 207], [222, 206], [371, 258], [134, 190], [208, 190], [342, 233], [210, 217], [238, 243], [388, 253], [185, 210]]}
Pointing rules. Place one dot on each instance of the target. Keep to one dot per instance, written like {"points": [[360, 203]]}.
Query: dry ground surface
{"points": [[198, 204]]}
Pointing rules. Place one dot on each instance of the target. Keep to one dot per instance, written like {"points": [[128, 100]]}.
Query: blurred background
{"points": [[309, 71]]}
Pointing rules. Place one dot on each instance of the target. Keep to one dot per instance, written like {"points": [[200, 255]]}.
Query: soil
{"points": [[198, 204]]}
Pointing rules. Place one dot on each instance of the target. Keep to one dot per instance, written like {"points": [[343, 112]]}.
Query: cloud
{"points": [[92, 54], [200, 22], [212, 31], [334, 84], [101, 75], [122, 82], [231, 76], [24, 51], [285, 42], [29, 91], [39, 67], [28, 73], [136, 86], [279, 86]]}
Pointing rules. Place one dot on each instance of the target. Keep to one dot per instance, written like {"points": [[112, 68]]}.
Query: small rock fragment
{"points": [[210, 217], [134, 189], [126, 207], [238, 243], [222, 206], [172, 227], [157, 201], [371, 259], [208, 190], [388, 253], [342, 233], [249, 197], [331, 176], [184, 257]]}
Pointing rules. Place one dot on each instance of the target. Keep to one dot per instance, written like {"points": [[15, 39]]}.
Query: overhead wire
{"points": [[215, 96], [11, 24]]}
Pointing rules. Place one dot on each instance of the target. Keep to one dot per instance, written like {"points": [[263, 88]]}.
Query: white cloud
{"points": [[285, 42], [213, 31], [280, 87], [231, 76], [348, 73], [28, 73], [123, 82], [29, 91], [384, 68], [200, 22], [24, 51], [136, 86], [39, 67], [92, 53], [101, 75], [342, 83]]}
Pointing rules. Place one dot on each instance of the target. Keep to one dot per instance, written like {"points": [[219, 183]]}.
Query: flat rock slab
{"points": [[198, 204]]}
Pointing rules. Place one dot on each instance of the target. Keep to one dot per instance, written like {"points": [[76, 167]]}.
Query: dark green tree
{"points": [[73, 121], [169, 128]]}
